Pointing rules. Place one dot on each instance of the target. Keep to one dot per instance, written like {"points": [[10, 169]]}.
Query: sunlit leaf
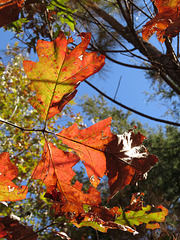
{"points": [[59, 71], [55, 170], [90, 145], [102, 218]]}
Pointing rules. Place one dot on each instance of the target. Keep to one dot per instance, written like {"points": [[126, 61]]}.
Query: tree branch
{"points": [[116, 39], [121, 63], [158, 60], [25, 129], [130, 109], [126, 64]]}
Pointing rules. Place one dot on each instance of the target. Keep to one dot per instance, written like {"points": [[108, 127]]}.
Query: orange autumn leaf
{"points": [[122, 158], [59, 71], [9, 11], [55, 170], [166, 22], [90, 144], [8, 190]]}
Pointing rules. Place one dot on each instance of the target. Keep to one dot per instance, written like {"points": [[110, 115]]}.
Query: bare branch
{"points": [[140, 9], [160, 61], [121, 44], [25, 129], [130, 109]]}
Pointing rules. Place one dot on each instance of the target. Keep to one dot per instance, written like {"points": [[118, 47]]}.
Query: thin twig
{"points": [[178, 45], [140, 9], [117, 87], [148, 8], [48, 25], [16, 103], [97, 236], [115, 51], [127, 64], [126, 17]]}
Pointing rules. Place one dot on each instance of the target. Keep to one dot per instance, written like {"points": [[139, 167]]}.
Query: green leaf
{"points": [[92, 224], [133, 218]]}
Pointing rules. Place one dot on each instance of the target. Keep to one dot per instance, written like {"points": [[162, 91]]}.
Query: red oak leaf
{"points": [[127, 161], [55, 170], [59, 71], [8, 171], [122, 158], [165, 23], [10, 228], [9, 11], [90, 145]]}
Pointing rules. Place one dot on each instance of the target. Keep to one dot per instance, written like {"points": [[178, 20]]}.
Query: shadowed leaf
{"points": [[10, 228], [127, 161], [9, 11]]}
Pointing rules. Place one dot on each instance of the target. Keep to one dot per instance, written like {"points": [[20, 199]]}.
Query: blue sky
{"points": [[130, 93]]}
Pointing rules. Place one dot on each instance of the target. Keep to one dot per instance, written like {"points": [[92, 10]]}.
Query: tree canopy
{"points": [[59, 177]]}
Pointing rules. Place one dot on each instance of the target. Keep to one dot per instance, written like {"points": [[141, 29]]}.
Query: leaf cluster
{"points": [[121, 157]]}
